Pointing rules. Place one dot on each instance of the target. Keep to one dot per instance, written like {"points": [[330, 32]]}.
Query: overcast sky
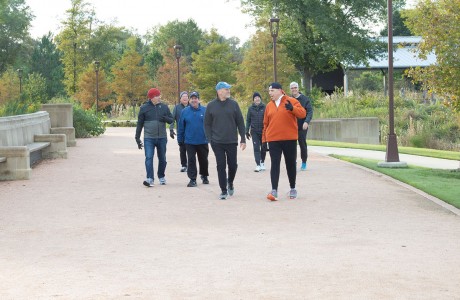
{"points": [[224, 15]]}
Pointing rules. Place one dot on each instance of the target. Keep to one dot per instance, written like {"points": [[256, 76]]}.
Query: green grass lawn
{"points": [[442, 184], [406, 150]]}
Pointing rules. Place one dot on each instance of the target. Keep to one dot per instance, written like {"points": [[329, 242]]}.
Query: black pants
{"points": [[226, 154], [303, 145], [289, 150], [259, 155], [183, 154], [202, 152]]}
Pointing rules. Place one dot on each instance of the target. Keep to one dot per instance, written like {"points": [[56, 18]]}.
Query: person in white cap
{"points": [[222, 123]]}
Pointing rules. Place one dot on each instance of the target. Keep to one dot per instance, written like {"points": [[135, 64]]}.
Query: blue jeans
{"points": [[149, 147]]}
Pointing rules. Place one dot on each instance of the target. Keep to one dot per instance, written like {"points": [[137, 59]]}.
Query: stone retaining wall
{"points": [[350, 130]]}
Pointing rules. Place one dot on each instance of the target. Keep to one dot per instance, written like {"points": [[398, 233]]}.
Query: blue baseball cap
{"points": [[222, 85]]}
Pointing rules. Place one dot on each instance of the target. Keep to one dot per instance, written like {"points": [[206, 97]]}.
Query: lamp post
{"points": [[96, 67], [274, 29], [392, 144], [20, 80], [178, 53]]}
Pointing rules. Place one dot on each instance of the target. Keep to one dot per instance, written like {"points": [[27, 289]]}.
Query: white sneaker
{"points": [[162, 181], [257, 169], [262, 166]]}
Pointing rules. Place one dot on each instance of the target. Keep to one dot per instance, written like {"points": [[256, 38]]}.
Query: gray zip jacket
{"points": [[153, 118]]}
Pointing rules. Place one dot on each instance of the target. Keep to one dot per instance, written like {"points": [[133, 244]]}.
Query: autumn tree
{"points": [[187, 34], [9, 86], [86, 94], [130, 80], [320, 35], [166, 78], [437, 23], [73, 42], [213, 63], [256, 71], [162, 39]]}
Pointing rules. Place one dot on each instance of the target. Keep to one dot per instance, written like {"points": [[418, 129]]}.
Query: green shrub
{"points": [[86, 123], [19, 106]]}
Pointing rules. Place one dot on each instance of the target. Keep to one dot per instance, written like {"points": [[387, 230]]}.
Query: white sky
{"points": [[224, 15]]}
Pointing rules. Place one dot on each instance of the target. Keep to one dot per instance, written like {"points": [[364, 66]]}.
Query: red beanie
{"points": [[153, 92]]}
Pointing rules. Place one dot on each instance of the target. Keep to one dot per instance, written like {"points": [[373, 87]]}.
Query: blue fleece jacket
{"points": [[190, 127]]}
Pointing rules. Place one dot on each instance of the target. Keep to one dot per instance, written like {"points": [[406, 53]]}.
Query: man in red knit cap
{"points": [[281, 134], [153, 116]]}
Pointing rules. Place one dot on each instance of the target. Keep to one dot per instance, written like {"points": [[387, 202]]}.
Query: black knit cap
{"points": [[275, 85], [255, 95]]}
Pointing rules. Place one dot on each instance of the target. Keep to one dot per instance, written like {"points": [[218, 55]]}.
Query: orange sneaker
{"points": [[273, 195]]}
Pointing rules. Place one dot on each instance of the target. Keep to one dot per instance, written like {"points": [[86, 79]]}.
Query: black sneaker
{"points": [[230, 189], [192, 183], [205, 179], [223, 196]]}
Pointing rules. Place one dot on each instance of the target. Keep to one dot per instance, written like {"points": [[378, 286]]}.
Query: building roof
{"points": [[405, 55]]}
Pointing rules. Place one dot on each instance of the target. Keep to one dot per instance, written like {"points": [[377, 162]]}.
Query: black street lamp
{"points": [[178, 53], [274, 29], [96, 67], [392, 144], [20, 80]]}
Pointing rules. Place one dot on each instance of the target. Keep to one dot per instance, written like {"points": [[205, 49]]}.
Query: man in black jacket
{"points": [[223, 121], [153, 116], [302, 124]]}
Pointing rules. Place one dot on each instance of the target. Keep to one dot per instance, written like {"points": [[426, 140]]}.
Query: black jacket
{"points": [[255, 118], [306, 103], [153, 118], [223, 121]]}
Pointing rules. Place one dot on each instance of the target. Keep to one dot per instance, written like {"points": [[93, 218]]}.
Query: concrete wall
{"points": [[20, 130], [352, 130], [61, 116], [19, 134]]}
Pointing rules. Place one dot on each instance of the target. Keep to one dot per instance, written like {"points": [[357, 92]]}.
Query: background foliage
{"points": [[315, 36]]}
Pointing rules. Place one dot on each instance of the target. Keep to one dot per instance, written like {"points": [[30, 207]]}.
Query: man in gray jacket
{"points": [[223, 121], [153, 116]]}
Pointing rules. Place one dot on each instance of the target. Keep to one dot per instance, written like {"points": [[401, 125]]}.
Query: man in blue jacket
{"points": [[190, 132], [153, 116]]}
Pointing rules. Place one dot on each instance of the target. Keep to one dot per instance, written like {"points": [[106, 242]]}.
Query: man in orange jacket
{"points": [[281, 134]]}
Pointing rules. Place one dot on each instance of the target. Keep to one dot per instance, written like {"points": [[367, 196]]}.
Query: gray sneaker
{"points": [[223, 196], [192, 183], [148, 182], [162, 181], [293, 194], [230, 189]]}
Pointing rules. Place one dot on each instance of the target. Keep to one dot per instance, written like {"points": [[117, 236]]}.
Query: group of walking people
{"points": [[275, 128]]}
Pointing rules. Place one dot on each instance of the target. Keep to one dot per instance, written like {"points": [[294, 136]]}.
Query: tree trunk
{"points": [[307, 84]]}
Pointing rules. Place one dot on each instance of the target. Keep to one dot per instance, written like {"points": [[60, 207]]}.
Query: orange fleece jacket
{"points": [[280, 124]]}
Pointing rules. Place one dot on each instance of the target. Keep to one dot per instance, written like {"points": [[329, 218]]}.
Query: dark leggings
{"points": [[289, 150]]}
